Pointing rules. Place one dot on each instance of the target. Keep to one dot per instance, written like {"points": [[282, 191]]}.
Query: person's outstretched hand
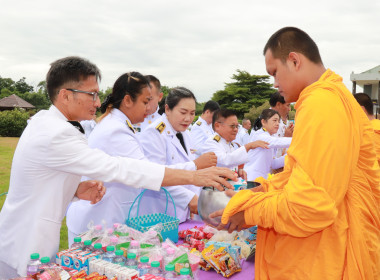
{"points": [[214, 177], [92, 190]]}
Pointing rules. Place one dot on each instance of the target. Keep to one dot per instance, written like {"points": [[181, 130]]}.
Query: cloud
{"points": [[197, 44]]}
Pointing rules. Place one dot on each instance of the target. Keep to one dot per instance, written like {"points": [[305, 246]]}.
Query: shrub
{"points": [[12, 123]]}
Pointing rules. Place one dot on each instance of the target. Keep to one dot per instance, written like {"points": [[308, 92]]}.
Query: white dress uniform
{"points": [[88, 126], [50, 158], [161, 145], [280, 133], [243, 136], [261, 160], [229, 154], [200, 131], [115, 136], [140, 127]]}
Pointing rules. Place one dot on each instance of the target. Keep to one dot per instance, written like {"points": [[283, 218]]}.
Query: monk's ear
{"points": [[295, 59]]}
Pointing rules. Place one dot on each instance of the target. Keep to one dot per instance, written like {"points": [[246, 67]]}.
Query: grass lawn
{"points": [[7, 148]]}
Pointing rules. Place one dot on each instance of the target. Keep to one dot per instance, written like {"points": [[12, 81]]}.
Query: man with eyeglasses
{"points": [[229, 153], [51, 157]]}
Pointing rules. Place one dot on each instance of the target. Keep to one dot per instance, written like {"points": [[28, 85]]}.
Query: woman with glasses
{"points": [[114, 134], [167, 141], [262, 161]]}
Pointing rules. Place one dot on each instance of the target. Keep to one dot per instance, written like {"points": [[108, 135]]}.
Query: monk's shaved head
{"points": [[292, 39]]}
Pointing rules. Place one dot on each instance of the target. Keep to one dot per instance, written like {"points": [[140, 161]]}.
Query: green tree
{"points": [[255, 112], [247, 91], [12, 123]]}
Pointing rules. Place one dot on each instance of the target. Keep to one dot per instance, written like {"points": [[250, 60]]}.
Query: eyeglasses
{"points": [[232, 126], [94, 94]]}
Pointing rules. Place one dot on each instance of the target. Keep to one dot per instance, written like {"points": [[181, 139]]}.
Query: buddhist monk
{"points": [[367, 105], [319, 218]]}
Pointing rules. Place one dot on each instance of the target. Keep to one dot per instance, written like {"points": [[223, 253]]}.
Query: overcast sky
{"points": [[196, 44]]}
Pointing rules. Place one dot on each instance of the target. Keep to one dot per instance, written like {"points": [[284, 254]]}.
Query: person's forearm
{"points": [[174, 177]]}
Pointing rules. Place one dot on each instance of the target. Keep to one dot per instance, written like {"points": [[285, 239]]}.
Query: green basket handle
{"points": [[140, 196]]}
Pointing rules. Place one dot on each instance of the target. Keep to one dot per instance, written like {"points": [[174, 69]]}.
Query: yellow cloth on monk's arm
{"points": [[315, 172]]}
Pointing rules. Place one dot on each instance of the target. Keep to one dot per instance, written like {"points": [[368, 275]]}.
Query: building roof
{"points": [[371, 76], [14, 101]]}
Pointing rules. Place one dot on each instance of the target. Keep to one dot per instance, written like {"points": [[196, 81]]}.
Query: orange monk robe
{"points": [[319, 218], [376, 128]]}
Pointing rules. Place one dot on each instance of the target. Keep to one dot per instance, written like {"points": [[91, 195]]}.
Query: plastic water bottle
{"points": [[184, 274], [169, 256], [114, 241], [45, 263], [87, 246], [98, 231], [77, 243], [110, 254], [143, 266], [119, 258], [169, 272], [134, 247], [33, 265], [131, 261], [155, 269], [98, 249]]}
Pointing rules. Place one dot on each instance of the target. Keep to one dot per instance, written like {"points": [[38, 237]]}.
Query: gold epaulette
{"points": [[130, 126], [217, 138], [160, 127]]}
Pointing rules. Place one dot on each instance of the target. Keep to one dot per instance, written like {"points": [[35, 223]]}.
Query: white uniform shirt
{"points": [[140, 127], [261, 161], [50, 158], [161, 145], [229, 154], [200, 131], [243, 136], [88, 126], [115, 136], [280, 133]]}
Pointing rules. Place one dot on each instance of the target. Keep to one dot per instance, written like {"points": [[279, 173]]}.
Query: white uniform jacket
{"points": [[115, 136], [50, 158], [243, 136], [140, 127], [200, 131], [261, 161], [161, 145], [229, 154]]}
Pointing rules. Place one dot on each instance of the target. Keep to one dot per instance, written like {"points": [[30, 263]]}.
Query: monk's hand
{"points": [[259, 188], [193, 205], [235, 222], [214, 177], [206, 160], [92, 190]]}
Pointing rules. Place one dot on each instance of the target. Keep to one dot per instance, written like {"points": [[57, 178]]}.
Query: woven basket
{"points": [[145, 222]]}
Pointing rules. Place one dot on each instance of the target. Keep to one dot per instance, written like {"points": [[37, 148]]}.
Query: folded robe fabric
{"points": [[319, 218], [376, 128]]}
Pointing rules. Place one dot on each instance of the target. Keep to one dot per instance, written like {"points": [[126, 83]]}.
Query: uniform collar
{"points": [[57, 112], [123, 117], [169, 130]]}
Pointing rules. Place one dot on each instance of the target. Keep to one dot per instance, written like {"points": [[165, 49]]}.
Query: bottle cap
{"points": [[87, 242], [78, 239], [114, 239], [116, 225], [35, 256], [110, 248], [170, 251], [98, 246], [155, 264], [45, 260], [184, 271], [131, 255], [169, 267], [119, 252], [98, 227], [144, 259], [110, 231]]}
